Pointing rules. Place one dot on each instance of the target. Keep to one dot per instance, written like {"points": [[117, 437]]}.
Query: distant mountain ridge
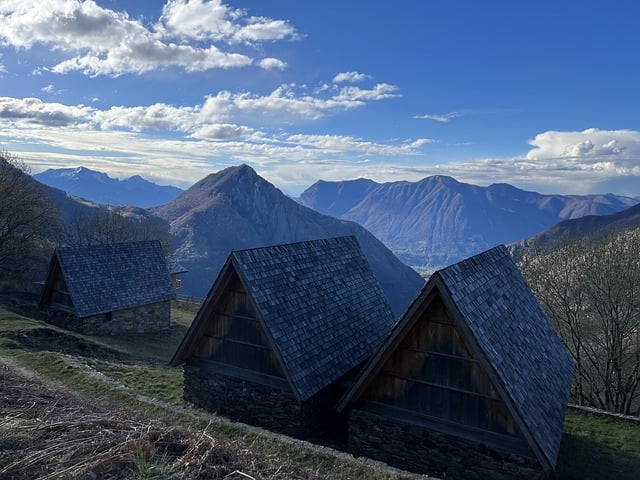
{"points": [[591, 225], [101, 188], [237, 209], [437, 221]]}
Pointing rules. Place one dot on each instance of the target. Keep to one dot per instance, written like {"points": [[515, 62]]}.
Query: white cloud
{"points": [[590, 143], [158, 116], [591, 161], [230, 128], [212, 20], [51, 90], [287, 103], [351, 77], [100, 41], [421, 142], [222, 131], [438, 118], [260, 29], [126, 138], [272, 64], [609, 152], [146, 56], [380, 91], [339, 143], [32, 111]]}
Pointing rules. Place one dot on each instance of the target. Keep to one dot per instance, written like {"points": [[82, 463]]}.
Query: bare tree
{"points": [[590, 289], [105, 225], [26, 215]]}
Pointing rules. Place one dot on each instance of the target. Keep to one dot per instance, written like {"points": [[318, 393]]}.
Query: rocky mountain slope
{"points": [[101, 188], [591, 225], [438, 220], [236, 209]]}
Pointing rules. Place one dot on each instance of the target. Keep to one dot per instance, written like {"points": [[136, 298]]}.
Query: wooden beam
{"points": [[439, 354], [239, 342], [442, 387], [235, 315]]}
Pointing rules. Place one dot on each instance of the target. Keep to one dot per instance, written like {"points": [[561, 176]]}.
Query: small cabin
{"points": [[109, 289], [472, 382], [280, 330]]}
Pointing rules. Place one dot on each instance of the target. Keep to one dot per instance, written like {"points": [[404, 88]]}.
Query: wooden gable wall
{"points": [[433, 374], [56, 294], [234, 335]]}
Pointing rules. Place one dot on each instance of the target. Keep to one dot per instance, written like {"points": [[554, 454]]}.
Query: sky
{"points": [[543, 95]]}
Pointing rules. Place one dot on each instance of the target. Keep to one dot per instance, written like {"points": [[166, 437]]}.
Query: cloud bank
{"points": [[194, 36]]}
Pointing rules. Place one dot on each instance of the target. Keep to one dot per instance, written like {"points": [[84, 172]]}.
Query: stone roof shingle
{"points": [[107, 278], [321, 304], [491, 300], [529, 358]]}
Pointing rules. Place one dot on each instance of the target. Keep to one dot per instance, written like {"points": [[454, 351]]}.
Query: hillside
{"points": [[236, 209], [78, 406], [590, 225], [100, 188], [66, 220], [438, 220]]}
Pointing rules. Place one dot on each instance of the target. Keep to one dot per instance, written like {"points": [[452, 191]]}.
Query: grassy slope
{"points": [[139, 362], [593, 446]]}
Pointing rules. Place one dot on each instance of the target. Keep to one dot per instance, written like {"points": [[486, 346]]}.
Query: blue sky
{"points": [[543, 95]]}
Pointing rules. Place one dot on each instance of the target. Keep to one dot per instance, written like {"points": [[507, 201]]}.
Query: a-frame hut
{"points": [[472, 382], [280, 329], [109, 289]]}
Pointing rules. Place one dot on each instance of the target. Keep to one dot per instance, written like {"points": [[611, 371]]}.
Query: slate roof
{"points": [[524, 354], [107, 278], [320, 304]]}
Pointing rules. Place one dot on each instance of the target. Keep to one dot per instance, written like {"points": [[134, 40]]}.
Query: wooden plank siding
{"points": [[59, 295], [234, 336], [433, 373]]}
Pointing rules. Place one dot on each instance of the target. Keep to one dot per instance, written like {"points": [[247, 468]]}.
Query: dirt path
{"points": [[48, 432]]}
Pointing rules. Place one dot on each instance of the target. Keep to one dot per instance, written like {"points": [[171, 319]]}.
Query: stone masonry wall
{"points": [[414, 448], [255, 404], [146, 318]]}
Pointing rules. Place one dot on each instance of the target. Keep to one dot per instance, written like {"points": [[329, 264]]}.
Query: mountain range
{"points": [[236, 209], [427, 224], [437, 221], [101, 188], [591, 225]]}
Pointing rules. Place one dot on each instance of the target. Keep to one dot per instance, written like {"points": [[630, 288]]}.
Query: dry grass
{"points": [[47, 432]]}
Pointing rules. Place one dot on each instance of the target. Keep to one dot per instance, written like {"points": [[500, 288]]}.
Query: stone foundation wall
{"points": [[413, 448], [146, 318], [255, 404]]}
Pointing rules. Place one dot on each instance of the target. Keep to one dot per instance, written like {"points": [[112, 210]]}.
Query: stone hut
{"points": [[472, 382], [109, 289], [280, 329]]}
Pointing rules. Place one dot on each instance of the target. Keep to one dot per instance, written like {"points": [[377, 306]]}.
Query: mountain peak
{"points": [[236, 208], [441, 179], [439, 220], [101, 188]]}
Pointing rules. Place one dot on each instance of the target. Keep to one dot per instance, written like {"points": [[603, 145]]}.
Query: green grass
{"points": [[159, 346], [596, 446], [11, 321], [157, 381]]}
